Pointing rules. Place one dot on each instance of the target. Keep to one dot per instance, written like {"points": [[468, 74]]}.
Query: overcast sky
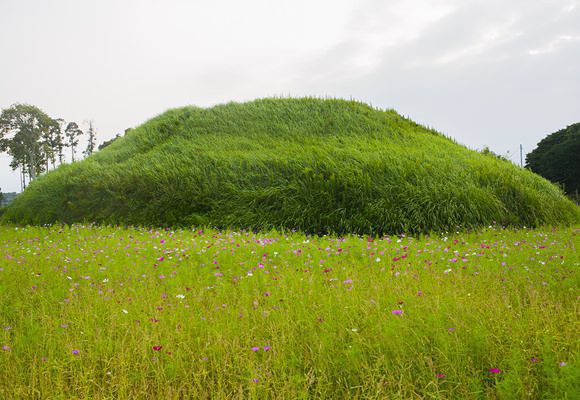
{"points": [[485, 72]]}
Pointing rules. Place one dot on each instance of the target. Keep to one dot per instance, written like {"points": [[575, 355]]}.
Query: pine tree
{"points": [[59, 140], [91, 141]]}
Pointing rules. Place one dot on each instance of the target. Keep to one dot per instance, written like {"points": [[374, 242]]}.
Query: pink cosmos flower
{"points": [[76, 352], [156, 348], [255, 349], [266, 348], [495, 370], [397, 312]]}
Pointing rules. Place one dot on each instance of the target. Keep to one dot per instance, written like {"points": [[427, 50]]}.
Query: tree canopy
{"points": [[26, 133], [35, 142], [557, 158]]}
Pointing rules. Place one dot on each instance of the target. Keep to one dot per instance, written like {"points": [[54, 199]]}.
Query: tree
{"points": [[21, 128], [59, 142], [52, 143], [557, 158], [72, 133], [91, 141]]}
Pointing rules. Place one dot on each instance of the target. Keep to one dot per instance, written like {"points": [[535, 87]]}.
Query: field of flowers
{"points": [[105, 312]]}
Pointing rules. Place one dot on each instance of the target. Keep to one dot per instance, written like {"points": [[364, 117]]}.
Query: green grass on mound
{"points": [[309, 164]]}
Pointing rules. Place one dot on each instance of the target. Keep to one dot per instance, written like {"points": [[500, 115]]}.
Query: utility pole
{"points": [[521, 156]]}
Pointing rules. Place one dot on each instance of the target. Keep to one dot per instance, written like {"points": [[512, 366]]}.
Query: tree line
{"points": [[36, 142], [557, 158]]}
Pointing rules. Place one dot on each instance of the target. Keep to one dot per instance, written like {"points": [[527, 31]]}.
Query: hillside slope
{"points": [[309, 164]]}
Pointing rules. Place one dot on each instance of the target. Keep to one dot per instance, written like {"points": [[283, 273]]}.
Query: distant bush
{"points": [[488, 152], [320, 166], [108, 142]]}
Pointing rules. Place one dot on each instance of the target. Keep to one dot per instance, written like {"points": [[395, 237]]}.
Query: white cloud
{"points": [[571, 7], [554, 44], [487, 41], [381, 26]]}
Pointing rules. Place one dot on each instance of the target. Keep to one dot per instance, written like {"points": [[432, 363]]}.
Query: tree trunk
{"points": [[23, 177], [32, 166]]}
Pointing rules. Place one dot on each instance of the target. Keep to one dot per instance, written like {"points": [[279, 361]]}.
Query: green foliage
{"points": [[89, 312], [488, 152], [314, 165], [91, 141], [557, 158], [72, 133], [27, 134], [108, 142]]}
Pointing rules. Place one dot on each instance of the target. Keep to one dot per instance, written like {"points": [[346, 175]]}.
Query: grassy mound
{"points": [[309, 164]]}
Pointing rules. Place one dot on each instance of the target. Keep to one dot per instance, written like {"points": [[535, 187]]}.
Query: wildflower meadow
{"points": [[109, 313]]}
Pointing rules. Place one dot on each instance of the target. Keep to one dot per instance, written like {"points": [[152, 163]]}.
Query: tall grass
{"points": [[320, 166], [100, 313]]}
